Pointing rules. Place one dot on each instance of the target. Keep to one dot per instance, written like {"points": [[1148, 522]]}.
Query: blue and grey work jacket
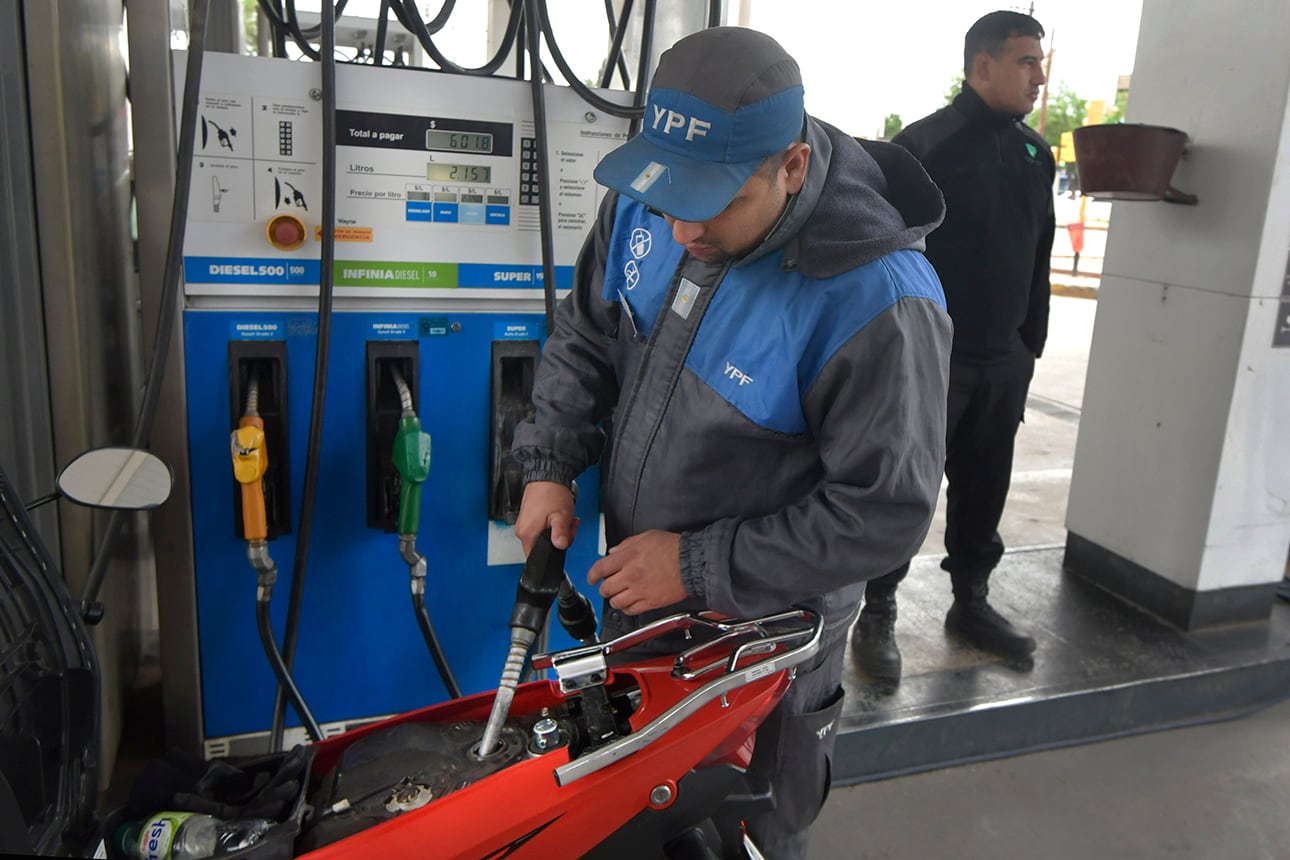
{"points": [[785, 413]]}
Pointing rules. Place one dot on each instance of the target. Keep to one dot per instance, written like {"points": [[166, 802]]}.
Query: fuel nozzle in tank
{"points": [[543, 581]]}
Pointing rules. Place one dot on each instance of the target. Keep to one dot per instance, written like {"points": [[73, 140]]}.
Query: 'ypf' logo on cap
{"points": [[671, 120]]}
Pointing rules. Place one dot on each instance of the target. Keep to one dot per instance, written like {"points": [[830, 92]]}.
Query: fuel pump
{"points": [[250, 461], [454, 203]]}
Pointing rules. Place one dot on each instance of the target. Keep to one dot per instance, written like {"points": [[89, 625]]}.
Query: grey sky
{"points": [[860, 60]]}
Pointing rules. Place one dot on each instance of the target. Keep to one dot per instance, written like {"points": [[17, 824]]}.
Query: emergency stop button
{"points": [[286, 232]]}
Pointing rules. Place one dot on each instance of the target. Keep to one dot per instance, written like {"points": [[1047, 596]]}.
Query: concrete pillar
{"points": [[1180, 494]]}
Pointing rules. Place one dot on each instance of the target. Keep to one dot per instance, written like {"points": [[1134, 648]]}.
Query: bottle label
{"points": [[158, 835]]}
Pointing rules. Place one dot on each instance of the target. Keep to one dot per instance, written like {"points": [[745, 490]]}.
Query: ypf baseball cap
{"points": [[721, 100]]}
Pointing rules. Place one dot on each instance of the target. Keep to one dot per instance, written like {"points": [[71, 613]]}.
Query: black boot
{"points": [[976, 622], [874, 638]]}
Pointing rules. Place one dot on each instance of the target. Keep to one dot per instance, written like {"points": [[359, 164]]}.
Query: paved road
{"points": [[1095, 215]]}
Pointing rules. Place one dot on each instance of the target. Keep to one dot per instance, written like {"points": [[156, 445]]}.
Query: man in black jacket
{"points": [[992, 256]]}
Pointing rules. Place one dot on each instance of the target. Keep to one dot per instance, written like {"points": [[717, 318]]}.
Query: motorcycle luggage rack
{"points": [[579, 668]]}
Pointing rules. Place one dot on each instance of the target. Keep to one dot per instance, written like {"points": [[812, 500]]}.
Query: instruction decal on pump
{"points": [[436, 187], [392, 273], [517, 331], [432, 326], [391, 331], [434, 133], [250, 270], [255, 331]]}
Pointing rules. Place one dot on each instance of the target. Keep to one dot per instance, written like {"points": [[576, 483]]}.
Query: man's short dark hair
{"points": [[991, 32], [771, 163]]}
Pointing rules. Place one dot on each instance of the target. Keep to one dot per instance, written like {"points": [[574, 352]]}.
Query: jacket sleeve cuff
{"points": [[546, 469], [692, 564]]}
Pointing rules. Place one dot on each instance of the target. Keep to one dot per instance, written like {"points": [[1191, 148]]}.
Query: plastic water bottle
{"points": [[187, 836]]}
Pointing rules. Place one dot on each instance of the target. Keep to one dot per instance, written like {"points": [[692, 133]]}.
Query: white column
{"points": [[1180, 494]]}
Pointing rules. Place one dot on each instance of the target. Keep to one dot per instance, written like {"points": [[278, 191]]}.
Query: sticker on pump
{"points": [[516, 331]]}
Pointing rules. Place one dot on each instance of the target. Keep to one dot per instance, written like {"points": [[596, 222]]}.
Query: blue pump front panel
{"points": [[439, 243], [360, 652]]}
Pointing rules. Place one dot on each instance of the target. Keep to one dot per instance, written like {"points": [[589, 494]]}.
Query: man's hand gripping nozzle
{"points": [[542, 581]]}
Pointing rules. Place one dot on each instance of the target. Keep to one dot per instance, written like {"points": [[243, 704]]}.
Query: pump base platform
{"points": [[1102, 669]]}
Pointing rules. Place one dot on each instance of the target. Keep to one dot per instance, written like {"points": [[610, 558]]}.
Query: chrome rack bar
{"points": [[587, 662]]}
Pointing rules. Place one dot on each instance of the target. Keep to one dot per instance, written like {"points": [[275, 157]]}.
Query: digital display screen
{"points": [[459, 141], [477, 173]]}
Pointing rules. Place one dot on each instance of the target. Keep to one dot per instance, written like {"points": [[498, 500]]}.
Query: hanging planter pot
{"points": [[1130, 162]]}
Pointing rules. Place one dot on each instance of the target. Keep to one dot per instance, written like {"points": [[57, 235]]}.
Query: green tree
{"points": [[250, 26], [892, 125], [955, 86], [1115, 113], [1065, 111]]}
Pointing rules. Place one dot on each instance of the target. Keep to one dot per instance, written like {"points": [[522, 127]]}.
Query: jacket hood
{"points": [[861, 200]]}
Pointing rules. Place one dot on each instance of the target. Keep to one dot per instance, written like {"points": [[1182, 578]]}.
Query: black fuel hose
{"points": [[171, 285], [432, 642], [302, 36], [534, 39], [598, 102], [643, 73], [382, 27], [714, 13], [321, 350], [292, 24], [423, 33], [442, 18], [279, 33], [617, 32], [637, 109], [280, 670], [406, 14], [576, 614]]}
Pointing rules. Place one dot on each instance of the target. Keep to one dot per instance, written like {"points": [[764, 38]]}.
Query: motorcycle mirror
{"points": [[123, 478]]}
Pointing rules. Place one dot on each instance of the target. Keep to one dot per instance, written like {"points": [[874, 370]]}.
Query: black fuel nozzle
{"points": [[576, 614], [539, 585], [543, 580]]}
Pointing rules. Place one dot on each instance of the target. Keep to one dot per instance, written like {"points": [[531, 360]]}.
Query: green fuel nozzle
{"points": [[411, 458], [412, 462]]}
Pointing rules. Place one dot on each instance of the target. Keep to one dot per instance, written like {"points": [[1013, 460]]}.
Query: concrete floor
{"points": [[1219, 791], [1213, 790]]}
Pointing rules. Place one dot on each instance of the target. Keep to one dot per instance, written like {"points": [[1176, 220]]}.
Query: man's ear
{"points": [[980, 67], [799, 155]]}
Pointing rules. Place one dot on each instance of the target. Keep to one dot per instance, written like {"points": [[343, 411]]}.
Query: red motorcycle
{"points": [[617, 756], [605, 761]]}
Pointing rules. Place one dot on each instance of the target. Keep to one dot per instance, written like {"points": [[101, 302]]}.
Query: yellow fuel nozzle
{"points": [[250, 460]]}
